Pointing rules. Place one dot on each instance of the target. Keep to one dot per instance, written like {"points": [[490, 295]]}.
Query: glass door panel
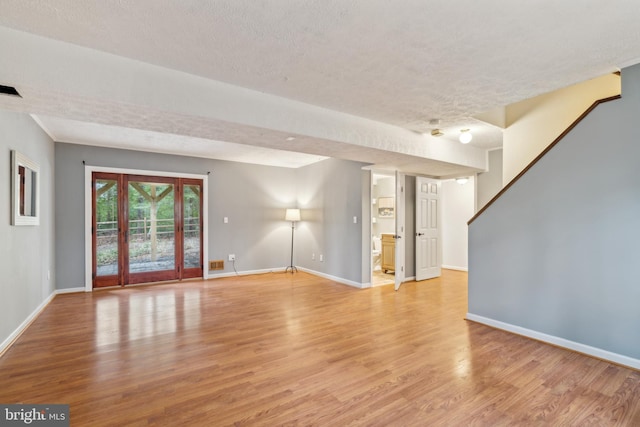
{"points": [[151, 231], [145, 229], [106, 230], [192, 227]]}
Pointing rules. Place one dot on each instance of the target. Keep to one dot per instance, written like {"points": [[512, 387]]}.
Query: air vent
{"points": [[216, 265], [9, 90]]}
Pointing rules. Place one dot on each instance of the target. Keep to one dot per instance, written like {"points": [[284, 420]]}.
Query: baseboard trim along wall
{"points": [[243, 273], [336, 279], [453, 267], [559, 342], [25, 324], [282, 269], [70, 290], [6, 344]]}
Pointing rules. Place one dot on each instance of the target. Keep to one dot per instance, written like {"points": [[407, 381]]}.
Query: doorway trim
{"points": [[369, 211], [400, 247], [88, 208]]}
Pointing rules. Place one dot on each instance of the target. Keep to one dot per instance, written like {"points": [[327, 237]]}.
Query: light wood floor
{"points": [[379, 278], [283, 349]]}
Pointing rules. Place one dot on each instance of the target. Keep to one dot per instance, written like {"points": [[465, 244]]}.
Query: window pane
{"points": [[191, 204], [151, 227], [106, 227]]}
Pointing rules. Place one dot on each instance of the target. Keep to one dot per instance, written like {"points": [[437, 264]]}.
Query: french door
{"points": [[145, 229]]}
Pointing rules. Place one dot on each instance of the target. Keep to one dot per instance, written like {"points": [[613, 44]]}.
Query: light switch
{"points": [[226, 220]]}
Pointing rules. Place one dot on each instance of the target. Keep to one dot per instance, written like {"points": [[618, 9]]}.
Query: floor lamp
{"points": [[292, 215]]}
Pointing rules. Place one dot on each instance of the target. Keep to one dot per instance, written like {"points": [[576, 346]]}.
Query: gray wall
{"points": [[26, 252], [253, 197], [556, 253], [489, 183], [329, 196]]}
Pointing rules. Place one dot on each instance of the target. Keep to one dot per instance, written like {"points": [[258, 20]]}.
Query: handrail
{"points": [[542, 154]]}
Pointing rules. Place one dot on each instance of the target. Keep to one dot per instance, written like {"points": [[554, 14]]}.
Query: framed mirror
{"points": [[25, 190]]}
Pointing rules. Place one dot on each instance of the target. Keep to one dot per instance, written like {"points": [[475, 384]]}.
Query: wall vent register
{"points": [[216, 265]]}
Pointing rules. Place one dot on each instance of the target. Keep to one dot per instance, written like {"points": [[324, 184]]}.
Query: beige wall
{"points": [[458, 202], [533, 124]]}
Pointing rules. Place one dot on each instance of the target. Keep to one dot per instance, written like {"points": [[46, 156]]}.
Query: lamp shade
{"points": [[292, 215]]}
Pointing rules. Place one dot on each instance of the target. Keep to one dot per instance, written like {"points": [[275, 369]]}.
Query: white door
{"points": [[400, 200], [428, 229]]}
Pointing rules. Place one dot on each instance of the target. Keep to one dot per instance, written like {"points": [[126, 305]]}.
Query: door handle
{"points": [[397, 237], [419, 234]]}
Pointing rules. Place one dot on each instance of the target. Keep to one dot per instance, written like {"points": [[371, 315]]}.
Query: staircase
{"points": [[552, 256]]}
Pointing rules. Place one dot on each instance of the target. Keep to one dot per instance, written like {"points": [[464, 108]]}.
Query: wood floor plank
{"points": [[296, 349]]}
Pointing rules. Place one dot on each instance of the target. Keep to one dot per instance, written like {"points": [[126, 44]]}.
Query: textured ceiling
{"points": [[78, 132], [399, 63]]}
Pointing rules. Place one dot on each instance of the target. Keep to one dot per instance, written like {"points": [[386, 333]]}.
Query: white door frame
{"points": [[400, 230]]}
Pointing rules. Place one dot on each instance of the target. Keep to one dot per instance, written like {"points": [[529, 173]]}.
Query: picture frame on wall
{"points": [[25, 190]]}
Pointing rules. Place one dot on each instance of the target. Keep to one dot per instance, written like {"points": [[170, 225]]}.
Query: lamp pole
{"points": [[291, 266], [292, 215]]}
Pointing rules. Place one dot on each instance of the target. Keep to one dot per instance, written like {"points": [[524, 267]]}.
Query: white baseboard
{"points": [[25, 324], [559, 342], [453, 267], [336, 279], [70, 290], [243, 273], [282, 269]]}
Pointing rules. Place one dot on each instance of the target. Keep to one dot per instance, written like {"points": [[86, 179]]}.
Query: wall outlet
{"points": [[232, 257], [321, 258], [313, 257]]}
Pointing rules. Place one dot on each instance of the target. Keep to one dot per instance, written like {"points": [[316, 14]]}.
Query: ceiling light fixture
{"points": [[290, 138], [465, 136], [437, 132], [462, 180]]}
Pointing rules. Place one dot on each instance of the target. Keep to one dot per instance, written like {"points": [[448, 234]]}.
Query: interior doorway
{"points": [[383, 228], [145, 228]]}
